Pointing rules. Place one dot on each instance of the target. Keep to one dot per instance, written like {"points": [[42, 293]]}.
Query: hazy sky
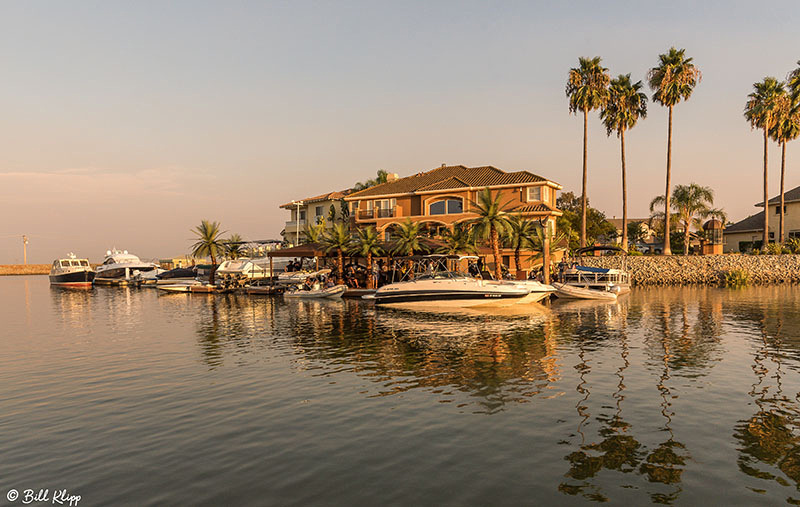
{"points": [[126, 123]]}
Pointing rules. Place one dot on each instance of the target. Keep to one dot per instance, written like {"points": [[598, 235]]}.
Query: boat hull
{"points": [[572, 292], [333, 292], [74, 279]]}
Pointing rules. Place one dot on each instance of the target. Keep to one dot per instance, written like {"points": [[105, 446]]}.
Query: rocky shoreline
{"points": [[704, 269]]}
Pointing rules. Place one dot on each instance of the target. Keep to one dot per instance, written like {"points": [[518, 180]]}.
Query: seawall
{"points": [[24, 269], [704, 269]]}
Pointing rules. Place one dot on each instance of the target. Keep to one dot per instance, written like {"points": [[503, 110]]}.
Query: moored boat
{"points": [[330, 292], [122, 268], [586, 282], [71, 272], [568, 291]]}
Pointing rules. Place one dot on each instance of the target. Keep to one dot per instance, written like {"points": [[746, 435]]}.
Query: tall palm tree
{"points": [[626, 104], [458, 240], [337, 239], [490, 223], [209, 244], [587, 90], [787, 128], [233, 246], [313, 233], [521, 232], [367, 244], [691, 203], [761, 110], [672, 80]]}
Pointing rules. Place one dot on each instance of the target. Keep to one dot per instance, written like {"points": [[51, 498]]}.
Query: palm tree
{"points": [[408, 238], [490, 223], [691, 203], [458, 240], [313, 233], [209, 244], [337, 239], [587, 90], [521, 232], [787, 128], [367, 244], [673, 79], [626, 104], [233, 246], [761, 111]]}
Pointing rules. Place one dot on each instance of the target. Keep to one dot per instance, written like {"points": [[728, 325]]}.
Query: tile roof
{"points": [[330, 196], [751, 223], [443, 177], [617, 222], [532, 208], [791, 195]]}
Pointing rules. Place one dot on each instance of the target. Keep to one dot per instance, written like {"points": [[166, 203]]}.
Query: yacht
{"points": [[436, 283], [120, 268], [71, 272], [252, 268]]}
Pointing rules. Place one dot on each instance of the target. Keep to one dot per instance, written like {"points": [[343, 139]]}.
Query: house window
{"points": [[446, 207], [539, 193], [354, 207], [778, 210], [318, 211], [794, 234], [302, 215]]}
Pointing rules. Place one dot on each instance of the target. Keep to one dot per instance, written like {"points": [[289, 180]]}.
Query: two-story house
{"points": [[441, 197], [312, 211], [747, 234]]}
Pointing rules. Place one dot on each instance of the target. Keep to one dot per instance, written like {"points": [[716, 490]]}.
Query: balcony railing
{"points": [[370, 214]]}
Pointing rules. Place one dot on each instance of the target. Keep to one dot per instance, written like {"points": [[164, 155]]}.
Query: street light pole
{"points": [[297, 221], [25, 249]]}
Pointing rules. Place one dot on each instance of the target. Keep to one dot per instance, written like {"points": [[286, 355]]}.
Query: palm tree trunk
{"points": [[213, 270], [667, 250], [624, 193], [583, 192], [517, 259], [783, 172], [498, 273], [765, 237], [686, 238], [340, 267]]}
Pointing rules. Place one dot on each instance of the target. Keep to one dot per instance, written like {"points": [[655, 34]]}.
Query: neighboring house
{"points": [[441, 197], [649, 234], [312, 211], [746, 235]]}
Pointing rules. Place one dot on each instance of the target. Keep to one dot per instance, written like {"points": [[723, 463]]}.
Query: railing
{"points": [[369, 214], [294, 223]]}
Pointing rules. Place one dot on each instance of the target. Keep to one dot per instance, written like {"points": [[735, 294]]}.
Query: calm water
{"points": [[125, 396]]}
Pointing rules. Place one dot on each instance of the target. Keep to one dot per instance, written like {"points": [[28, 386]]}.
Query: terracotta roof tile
{"points": [[533, 208], [435, 180], [330, 196]]}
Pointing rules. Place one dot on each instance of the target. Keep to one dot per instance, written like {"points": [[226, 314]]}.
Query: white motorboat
{"points": [[539, 290], [252, 268], [568, 291], [298, 277], [330, 292], [122, 267], [71, 272], [179, 286], [437, 284]]}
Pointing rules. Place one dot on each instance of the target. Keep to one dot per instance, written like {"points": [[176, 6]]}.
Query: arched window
{"points": [[447, 206]]}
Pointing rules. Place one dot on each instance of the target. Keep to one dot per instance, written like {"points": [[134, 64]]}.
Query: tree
{"points": [[761, 111], [457, 241], [490, 223], [626, 104], [208, 244], [367, 244], [521, 232], [587, 90], [382, 177], [408, 239], [233, 246], [337, 239], [313, 233], [332, 213], [787, 128], [672, 80], [345, 211], [691, 203], [597, 226], [636, 232]]}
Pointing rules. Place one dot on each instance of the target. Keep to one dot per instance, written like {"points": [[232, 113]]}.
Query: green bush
{"points": [[773, 249], [794, 245], [634, 253], [736, 278]]}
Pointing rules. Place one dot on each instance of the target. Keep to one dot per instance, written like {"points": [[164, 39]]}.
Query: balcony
{"points": [[293, 224], [372, 214]]}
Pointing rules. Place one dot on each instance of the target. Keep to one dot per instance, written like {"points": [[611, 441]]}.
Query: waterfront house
{"points": [[440, 198], [313, 211], [746, 235]]}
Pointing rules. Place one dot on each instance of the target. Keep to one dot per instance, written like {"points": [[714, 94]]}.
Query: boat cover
{"points": [[589, 269]]}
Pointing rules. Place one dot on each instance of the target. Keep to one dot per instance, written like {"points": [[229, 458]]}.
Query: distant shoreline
{"points": [[24, 269]]}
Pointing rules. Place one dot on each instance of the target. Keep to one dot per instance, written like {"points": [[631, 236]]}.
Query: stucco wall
{"points": [[704, 269]]}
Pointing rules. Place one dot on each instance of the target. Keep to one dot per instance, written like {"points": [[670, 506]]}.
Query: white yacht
{"points": [[120, 267], [252, 268], [71, 272], [437, 284]]}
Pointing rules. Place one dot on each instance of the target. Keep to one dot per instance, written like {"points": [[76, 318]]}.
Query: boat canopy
{"points": [[589, 269], [599, 248]]}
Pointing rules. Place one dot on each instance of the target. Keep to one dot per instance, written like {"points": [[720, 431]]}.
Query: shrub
{"points": [[736, 278], [773, 249], [634, 253], [794, 245]]}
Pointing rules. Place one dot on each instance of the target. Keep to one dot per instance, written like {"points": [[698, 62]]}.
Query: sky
{"points": [[124, 124]]}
